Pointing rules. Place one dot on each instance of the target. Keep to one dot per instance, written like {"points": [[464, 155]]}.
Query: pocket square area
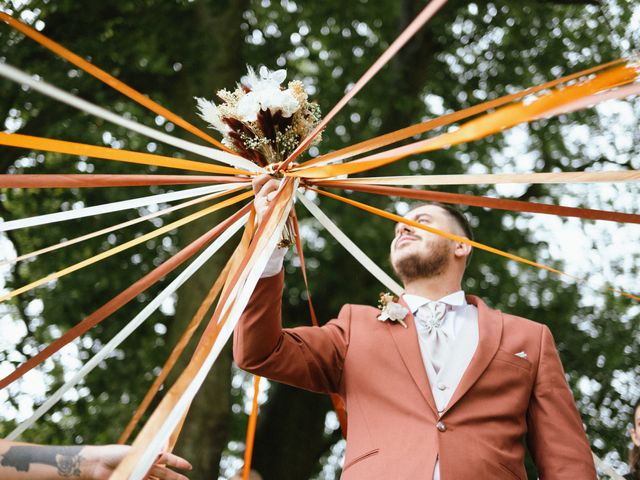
{"points": [[521, 354]]}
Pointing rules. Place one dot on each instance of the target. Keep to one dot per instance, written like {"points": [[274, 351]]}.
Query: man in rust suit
{"points": [[452, 396]]}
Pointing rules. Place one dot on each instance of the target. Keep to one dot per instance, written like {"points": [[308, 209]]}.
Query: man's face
{"points": [[416, 253]]}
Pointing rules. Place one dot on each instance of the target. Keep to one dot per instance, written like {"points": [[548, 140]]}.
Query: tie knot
{"points": [[431, 314]]}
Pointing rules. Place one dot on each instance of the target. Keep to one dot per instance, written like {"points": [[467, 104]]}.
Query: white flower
{"points": [[266, 94], [209, 112], [391, 310]]}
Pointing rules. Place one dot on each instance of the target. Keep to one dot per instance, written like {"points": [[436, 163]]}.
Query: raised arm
{"points": [[307, 357], [556, 436]]}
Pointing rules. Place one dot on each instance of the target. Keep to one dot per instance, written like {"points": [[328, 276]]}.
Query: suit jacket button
{"points": [[441, 426]]}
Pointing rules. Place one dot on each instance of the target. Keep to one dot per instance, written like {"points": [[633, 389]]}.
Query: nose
{"points": [[404, 228]]}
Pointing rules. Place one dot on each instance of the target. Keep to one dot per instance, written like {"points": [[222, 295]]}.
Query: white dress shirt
{"points": [[461, 326]]}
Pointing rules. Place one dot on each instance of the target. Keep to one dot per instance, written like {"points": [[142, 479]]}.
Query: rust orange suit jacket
{"points": [[378, 370]]}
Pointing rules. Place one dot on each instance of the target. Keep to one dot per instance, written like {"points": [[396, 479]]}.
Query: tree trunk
{"points": [[215, 32]]}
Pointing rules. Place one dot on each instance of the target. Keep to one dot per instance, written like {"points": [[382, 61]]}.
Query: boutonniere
{"points": [[391, 310]]}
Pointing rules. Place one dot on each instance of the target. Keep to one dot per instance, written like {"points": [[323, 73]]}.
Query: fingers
{"points": [[163, 473], [174, 461], [263, 184]]}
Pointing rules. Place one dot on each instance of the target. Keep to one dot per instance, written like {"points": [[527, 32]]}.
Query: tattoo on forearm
{"points": [[65, 459]]}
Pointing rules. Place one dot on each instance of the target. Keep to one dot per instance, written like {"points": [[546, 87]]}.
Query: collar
{"points": [[455, 299]]}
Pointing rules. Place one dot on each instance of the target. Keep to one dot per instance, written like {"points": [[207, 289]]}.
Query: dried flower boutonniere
{"points": [[391, 310], [262, 120]]}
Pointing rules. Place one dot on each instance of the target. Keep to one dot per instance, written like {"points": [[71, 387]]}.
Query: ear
{"points": [[462, 250]]}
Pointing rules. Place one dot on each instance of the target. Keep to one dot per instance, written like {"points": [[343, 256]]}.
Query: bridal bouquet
{"points": [[262, 120]]}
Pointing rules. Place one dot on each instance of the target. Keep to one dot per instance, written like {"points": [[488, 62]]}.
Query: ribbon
{"points": [[41, 86], [124, 246], [225, 234], [444, 120], [495, 178], [422, 18], [336, 400], [251, 430], [119, 226], [104, 153], [87, 180], [457, 238], [362, 258], [166, 417], [193, 325], [481, 127], [107, 78], [487, 202], [111, 207]]}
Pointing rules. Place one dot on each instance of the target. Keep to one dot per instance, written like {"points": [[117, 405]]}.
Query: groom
{"points": [[452, 396]]}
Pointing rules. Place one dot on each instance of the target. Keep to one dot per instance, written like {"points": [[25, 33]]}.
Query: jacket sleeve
{"points": [[307, 357], [556, 437]]}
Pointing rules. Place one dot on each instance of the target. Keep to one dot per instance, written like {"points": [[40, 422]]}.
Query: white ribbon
{"points": [[244, 292], [49, 90], [498, 178], [113, 207], [131, 326], [351, 247]]}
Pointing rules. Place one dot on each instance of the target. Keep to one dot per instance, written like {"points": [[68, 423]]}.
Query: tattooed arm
{"points": [[43, 462]]}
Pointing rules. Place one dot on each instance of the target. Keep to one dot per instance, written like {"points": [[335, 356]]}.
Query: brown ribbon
{"points": [[121, 299]]}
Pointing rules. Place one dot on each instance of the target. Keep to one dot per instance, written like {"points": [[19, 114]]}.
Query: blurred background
{"points": [[173, 50]]}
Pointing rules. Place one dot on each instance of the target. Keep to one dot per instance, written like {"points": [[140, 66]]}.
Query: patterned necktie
{"points": [[431, 316]]}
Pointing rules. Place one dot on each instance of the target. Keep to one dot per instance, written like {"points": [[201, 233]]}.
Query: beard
{"points": [[423, 264]]}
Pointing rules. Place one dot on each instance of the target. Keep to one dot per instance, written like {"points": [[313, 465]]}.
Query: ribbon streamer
{"points": [[444, 120], [251, 429], [336, 400], [41, 86], [107, 78], [88, 180], [121, 299], [188, 333], [119, 226], [104, 153], [112, 207], [349, 246], [483, 126], [124, 246], [131, 326], [457, 238], [487, 202], [166, 417], [494, 178], [422, 18]]}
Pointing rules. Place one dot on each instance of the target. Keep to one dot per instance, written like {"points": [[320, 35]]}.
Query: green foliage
{"points": [[469, 52]]}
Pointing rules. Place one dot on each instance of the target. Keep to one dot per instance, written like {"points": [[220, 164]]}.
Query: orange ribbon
{"points": [[457, 238], [481, 127], [108, 79], [444, 120], [73, 148], [251, 430], [121, 299], [86, 180], [487, 202], [336, 400], [423, 17]]}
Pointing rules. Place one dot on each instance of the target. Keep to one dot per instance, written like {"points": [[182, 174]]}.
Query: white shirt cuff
{"points": [[274, 265]]}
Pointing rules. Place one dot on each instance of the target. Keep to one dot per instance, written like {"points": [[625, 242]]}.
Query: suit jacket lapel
{"points": [[489, 336], [406, 340]]}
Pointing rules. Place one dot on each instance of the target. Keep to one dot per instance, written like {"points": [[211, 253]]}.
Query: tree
{"points": [[173, 51]]}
